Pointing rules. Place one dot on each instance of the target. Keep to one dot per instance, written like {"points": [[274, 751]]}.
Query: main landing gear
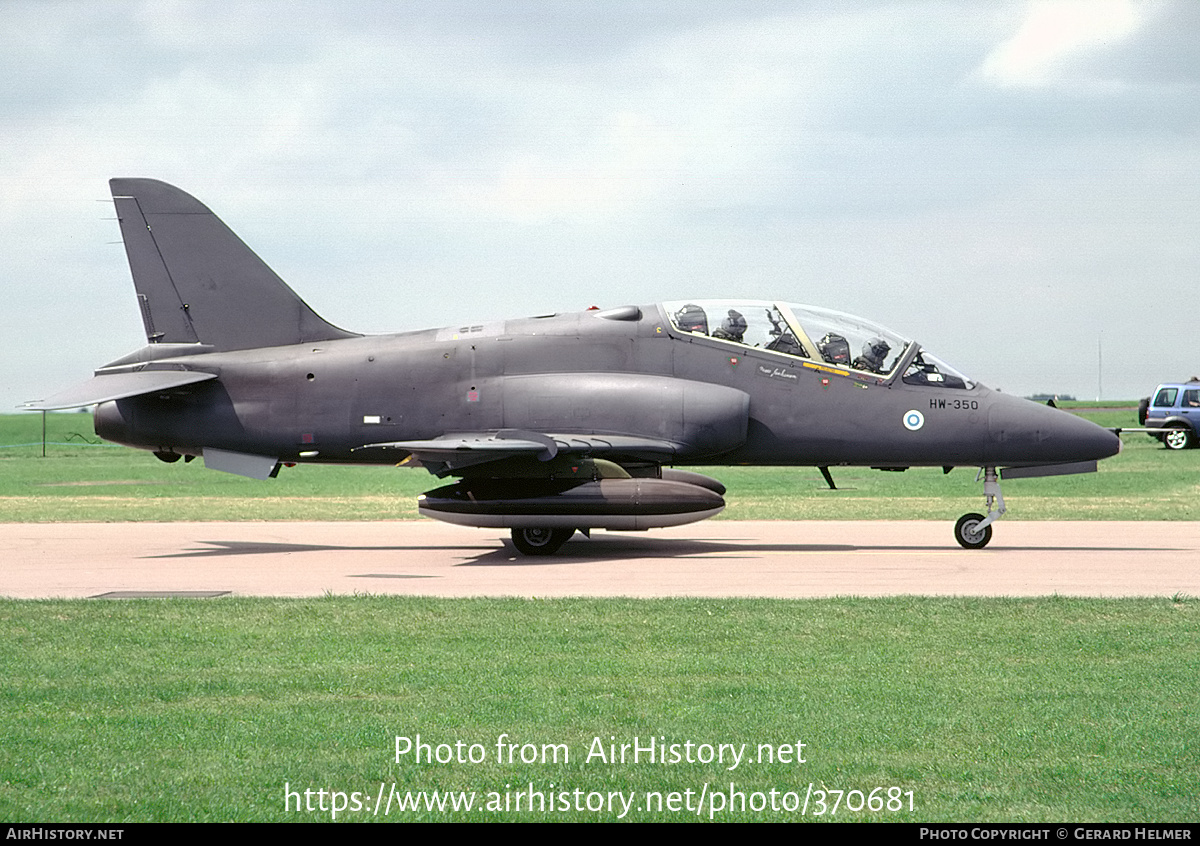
{"points": [[973, 531], [540, 540]]}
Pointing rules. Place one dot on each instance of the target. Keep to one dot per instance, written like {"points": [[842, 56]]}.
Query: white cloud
{"points": [[1055, 31]]}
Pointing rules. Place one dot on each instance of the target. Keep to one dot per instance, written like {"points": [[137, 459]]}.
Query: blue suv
{"points": [[1175, 407]]}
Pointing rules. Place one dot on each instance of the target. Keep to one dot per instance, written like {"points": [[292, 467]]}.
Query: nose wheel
{"points": [[974, 531], [969, 535]]}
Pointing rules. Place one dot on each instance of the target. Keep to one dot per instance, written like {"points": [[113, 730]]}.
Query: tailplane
{"points": [[198, 282]]}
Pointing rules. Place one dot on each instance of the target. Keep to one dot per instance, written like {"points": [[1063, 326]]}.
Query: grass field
{"points": [[964, 709], [79, 481], [985, 710]]}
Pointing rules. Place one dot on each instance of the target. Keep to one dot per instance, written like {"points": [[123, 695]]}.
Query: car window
{"points": [[1166, 397], [1191, 398]]}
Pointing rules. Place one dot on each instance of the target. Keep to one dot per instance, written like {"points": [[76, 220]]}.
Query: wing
{"points": [[472, 453], [114, 386]]}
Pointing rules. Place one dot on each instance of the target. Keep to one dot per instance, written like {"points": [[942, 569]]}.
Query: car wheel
{"points": [[1178, 439]]}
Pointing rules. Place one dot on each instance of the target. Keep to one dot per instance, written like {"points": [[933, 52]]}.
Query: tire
{"points": [[539, 540], [1178, 438], [966, 534]]}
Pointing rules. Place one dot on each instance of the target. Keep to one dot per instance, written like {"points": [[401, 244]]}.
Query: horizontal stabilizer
{"points": [[115, 386]]}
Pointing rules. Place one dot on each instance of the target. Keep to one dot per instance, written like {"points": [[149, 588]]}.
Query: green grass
{"points": [[78, 481], [987, 710]]}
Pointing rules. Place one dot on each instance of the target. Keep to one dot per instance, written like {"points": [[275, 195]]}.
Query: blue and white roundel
{"points": [[913, 420]]}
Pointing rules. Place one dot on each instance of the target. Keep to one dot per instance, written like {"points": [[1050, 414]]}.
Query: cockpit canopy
{"points": [[817, 334]]}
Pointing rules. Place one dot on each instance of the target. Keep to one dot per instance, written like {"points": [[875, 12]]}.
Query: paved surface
{"points": [[719, 559]]}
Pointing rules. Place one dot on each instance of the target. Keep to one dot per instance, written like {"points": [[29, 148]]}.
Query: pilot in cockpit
{"points": [[691, 318], [873, 353], [732, 328]]}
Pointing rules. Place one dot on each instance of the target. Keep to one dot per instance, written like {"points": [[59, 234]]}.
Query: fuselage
{"points": [[630, 371]]}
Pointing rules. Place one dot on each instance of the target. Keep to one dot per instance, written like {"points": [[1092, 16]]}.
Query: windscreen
{"points": [[814, 333]]}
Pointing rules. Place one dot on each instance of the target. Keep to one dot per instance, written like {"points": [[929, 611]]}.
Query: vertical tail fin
{"points": [[198, 282]]}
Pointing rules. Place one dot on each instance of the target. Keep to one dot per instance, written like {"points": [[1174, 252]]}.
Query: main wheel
{"points": [[1178, 439], [967, 533], [540, 540]]}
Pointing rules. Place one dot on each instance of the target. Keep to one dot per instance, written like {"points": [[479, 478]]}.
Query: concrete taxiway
{"points": [[713, 559]]}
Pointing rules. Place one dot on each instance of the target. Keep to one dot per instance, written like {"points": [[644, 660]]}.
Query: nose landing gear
{"points": [[973, 531]]}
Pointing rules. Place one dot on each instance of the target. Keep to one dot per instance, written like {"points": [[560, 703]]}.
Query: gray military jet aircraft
{"points": [[550, 424]]}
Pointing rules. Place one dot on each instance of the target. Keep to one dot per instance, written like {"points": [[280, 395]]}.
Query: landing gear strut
{"points": [[973, 531]]}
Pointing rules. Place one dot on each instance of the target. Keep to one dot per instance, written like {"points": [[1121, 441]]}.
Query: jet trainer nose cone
{"points": [[1024, 432], [1105, 443]]}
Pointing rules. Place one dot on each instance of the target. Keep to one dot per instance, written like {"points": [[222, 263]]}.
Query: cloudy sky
{"points": [[1015, 184]]}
